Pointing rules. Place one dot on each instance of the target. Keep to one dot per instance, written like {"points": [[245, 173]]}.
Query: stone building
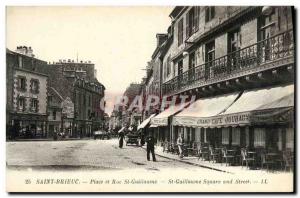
{"points": [[26, 102], [239, 64], [82, 95]]}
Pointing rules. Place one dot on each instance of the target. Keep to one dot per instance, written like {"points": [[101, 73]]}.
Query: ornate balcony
{"points": [[267, 54]]}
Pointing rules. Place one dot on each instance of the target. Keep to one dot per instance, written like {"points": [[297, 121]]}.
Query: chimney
{"points": [[161, 38]]}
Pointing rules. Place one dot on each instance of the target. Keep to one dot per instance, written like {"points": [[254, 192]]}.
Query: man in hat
{"points": [[150, 147]]}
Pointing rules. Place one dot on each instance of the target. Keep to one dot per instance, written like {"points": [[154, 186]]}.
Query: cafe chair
{"points": [[245, 159], [267, 162], [212, 155], [287, 160], [227, 158]]}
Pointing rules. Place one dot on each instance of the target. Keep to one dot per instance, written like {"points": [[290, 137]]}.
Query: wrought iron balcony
{"points": [[260, 56]]}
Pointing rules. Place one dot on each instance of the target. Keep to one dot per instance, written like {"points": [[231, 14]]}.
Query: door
{"points": [[192, 64], [180, 71]]}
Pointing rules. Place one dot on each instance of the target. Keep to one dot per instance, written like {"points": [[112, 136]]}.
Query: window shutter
{"points": [[187, 32]]}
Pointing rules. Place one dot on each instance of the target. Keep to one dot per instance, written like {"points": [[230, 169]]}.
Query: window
{"points": [[209, 57], [210, 51], [192, 21], [236, 136], [192, 64], [209, 13], [259, 137], [34, 105], [54, 115], [168, 66], [225, 136], [22, 83], [34, 86], [21, 104], [180, 32], [20, 61], [234, 40], [89, 101], [180, 67]]}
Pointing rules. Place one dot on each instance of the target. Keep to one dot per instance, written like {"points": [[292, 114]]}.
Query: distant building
{"points": [[82, 94]]}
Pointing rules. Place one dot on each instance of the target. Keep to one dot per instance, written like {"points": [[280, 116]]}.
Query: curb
{"points": [[192, 163]]}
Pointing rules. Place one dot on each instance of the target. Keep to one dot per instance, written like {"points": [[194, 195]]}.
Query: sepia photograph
{"points": [[144, 99]]}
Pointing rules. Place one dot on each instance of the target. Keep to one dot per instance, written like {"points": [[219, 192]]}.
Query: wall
{"points": [[41, 96]]}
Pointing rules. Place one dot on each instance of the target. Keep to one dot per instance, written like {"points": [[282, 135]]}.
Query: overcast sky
{"points": [[119, 40]]}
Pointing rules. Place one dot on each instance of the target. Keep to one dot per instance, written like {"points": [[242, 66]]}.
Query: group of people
{"points": [[149, 140]]}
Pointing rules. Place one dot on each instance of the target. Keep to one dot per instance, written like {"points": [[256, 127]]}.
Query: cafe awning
{"points": [[162, 118], [145, 122], [198, 113], [261, 106], [121, 130]]}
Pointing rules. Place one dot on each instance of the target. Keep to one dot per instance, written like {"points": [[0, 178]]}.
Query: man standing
{"points": [[180, 145], [150, 147]]}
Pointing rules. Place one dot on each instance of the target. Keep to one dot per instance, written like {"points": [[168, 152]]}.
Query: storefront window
{"points": [[225, 136], [259, 137], [236, 136], [290, 138]]}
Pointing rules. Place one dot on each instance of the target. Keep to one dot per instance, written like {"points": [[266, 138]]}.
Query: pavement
{"points": [[191, 160]]}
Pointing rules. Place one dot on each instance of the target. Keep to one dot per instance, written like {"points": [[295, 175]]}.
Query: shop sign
{"points": [[232, 119], [245, 118]]}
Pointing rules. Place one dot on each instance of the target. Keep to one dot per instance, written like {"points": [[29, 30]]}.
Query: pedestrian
{"points": [[150, 147], [142, 139], [180, 145], [121, 139]]}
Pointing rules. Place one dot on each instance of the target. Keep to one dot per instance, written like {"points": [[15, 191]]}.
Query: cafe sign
{"points": [[246, 118], [224, 120]]}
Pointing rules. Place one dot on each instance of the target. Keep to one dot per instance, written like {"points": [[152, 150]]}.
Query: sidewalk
{"points": [[206, 164]]}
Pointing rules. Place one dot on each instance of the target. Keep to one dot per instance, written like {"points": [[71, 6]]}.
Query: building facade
{"points": [[82, 96], [26, 102], [227, 54]]}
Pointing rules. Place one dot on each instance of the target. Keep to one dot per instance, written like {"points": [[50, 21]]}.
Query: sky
{"points": [[118, 40]]}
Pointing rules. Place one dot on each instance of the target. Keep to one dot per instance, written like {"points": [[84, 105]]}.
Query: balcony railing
{"points": [[269, 50]]}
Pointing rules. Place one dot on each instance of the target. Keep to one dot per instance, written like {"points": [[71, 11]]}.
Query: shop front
{"points": [[162, 122], [26, 125], [260, 120], [143, 128]]}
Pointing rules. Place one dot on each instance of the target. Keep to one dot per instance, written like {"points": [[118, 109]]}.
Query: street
{"points": [[92, 163], [83, 154]]}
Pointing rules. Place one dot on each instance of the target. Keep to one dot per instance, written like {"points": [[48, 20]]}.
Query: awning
{"points": [[261, 106], [121, 130], [145, 122], [153, 126], [162, 118], [198, 113]]}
